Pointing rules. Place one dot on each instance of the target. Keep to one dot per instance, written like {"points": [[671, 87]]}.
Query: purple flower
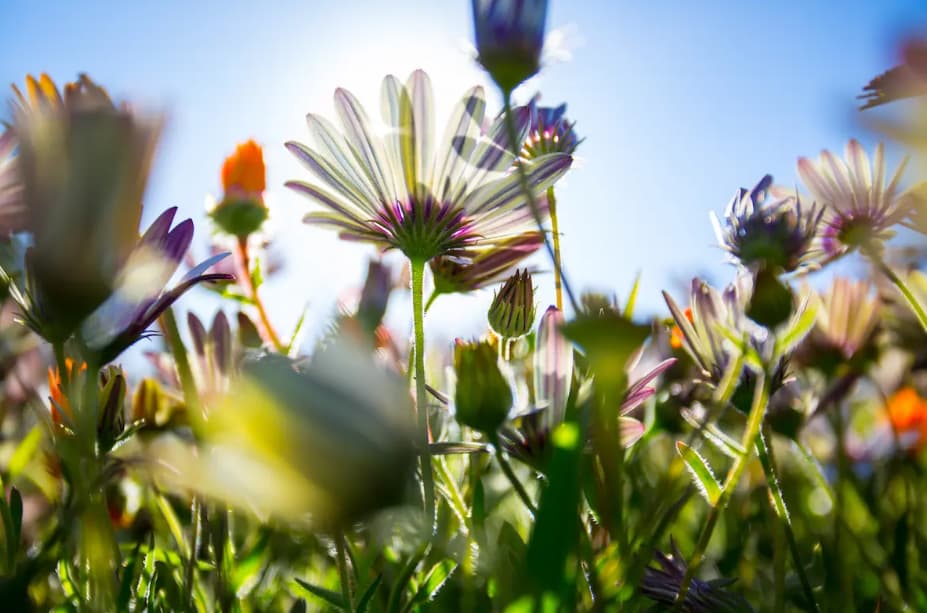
{"points": [[485, 266], [140, 295], [396, 190], [509, 38], [12, 207], [549, 131]]}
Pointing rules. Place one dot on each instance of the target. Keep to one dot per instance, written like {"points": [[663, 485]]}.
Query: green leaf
{"points": [[368, 594], [434, 580], [16, 515], [128, 578], [555, 530], [701, 473], [798, 327], [632, 297], [452, 448], [25, 451], [257, 276], [714, 435], [292, 348], [333, 598], [249, 567]]}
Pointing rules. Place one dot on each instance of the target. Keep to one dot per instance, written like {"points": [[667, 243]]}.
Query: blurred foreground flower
{"points": [[907, 80], [12, 207], [849, 314], [242, 211], [775, 236], [860, 210], [509, 38], [662, 584], [907, 412], [393, 191], [332, 442], [83, 164]]}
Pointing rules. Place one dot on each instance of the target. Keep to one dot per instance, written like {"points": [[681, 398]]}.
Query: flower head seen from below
{"points": [[509, 38], [860, 210], [849, 315], [775, 236], [83, 164], [484, 266], [242, 211], [396, 190], [549, 132]]}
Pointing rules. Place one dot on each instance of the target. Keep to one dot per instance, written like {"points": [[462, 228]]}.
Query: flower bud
{"points": [[509, 38], [482, 396], [242, 211], [512, 311], [112, 418]]}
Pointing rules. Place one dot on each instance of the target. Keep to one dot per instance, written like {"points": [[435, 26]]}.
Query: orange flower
{"points": [[676, 336], [243, 172], [58, 398], [907, 412]]}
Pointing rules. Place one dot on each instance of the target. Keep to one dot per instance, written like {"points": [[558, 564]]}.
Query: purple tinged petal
{"points": [[553, 367], [221, 336], [202, 267], [631, 430], [177, 241], [158, 230], [197, 333]]}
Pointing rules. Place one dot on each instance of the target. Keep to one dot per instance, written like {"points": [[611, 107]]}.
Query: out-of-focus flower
{"points": [[527, 437], [394, 192], [549, 132], [375, 294], [112, 392], [859, 209], [907, 80], [242, 211], [484, 266], [156, 407], [512, 311], [662, 584], [676, 337], [510, 38], [12, 208], [83, 164], [139, 297], [907, 413], [771, 235], [331, 443], [60, 405], [214, 356], [850, 314], [482, 396]]}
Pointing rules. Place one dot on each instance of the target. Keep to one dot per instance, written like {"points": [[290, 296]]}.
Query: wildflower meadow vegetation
{"points": [[756, 446]]}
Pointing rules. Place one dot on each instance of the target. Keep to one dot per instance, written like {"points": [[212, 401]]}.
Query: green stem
{"points": [[344, 575], [513, 479], [765, 452], [421, 399], [512, 133], [555, 230], [898, 282], [190, 571], [754, 421], [184, 372]]}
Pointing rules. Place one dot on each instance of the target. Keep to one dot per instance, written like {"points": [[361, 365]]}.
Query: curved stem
{"points": [[754, 421], [421, 400], [765, 452], [898, 282], [245, 273], [512, 134], [555, 230], [431, 299], [513, 478]]}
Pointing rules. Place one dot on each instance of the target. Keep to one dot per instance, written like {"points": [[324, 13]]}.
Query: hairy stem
{"points": [[513, 478], [421, 399], [244, 262], [754, 421], [555, 231]]}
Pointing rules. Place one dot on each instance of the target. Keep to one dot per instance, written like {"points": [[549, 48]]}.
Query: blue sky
{"points": [[680, 103]]}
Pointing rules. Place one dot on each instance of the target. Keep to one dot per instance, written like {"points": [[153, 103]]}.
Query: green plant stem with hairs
{"points": [[751, 433], [767, 459], [555, 231], [529, 194], [417, 267], [899, 283], [513, 478]]}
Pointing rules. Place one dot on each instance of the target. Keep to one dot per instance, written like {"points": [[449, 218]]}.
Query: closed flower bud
{"points": [[482, 396], [512, 311], [112, 418], [242, 211], [509, 38]]}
